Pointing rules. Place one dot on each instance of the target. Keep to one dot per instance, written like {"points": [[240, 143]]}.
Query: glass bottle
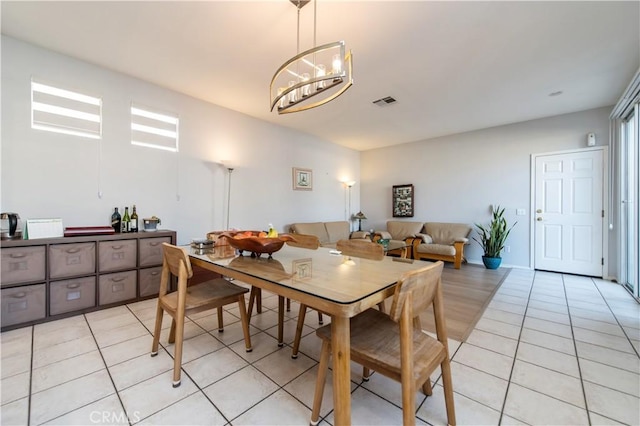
{"points": [[134, 220], [116, 221], [126, 221]]}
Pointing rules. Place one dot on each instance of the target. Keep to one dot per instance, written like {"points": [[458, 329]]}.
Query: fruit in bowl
{"points": [[256, 242]]}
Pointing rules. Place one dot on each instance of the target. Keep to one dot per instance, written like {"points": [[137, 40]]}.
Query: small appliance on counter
{"points": [[10, 226], [151, 224]]}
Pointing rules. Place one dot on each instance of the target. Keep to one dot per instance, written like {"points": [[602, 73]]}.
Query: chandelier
{"points": [[305, 81]]}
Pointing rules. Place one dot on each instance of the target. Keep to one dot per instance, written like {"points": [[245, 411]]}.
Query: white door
{"points": [[569, 212]]}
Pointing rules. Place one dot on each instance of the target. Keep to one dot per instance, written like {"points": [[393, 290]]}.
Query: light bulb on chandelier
{"points": [[295, 95]]}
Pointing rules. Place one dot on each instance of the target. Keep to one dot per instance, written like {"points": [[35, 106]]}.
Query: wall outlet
{"points": [[507, 249]]}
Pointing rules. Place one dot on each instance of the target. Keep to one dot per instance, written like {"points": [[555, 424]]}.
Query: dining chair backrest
{"points": [[174, 262], [361, 248], [421, 288], [304, 241]]}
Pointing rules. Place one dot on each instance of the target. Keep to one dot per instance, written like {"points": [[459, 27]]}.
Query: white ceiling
{"points": [[452, 66]]}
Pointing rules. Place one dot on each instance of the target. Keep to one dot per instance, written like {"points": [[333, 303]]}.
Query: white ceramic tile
{"points": [[210, 322], [599, 326], [612, 377], [497, 327], [547, 307], [54, 402], [281, 368], [288, 331], [594, 306], [214, 366], [311, 346], [562, 318], [106, 411], [510, 299], [46, 336], [507, 307], [384, 387], [58, 352], [548, 327], [502, 316], [547, 299], [549, 341], [138, 369], [248, 382], [266, 319], [10, 366], [16, 342], [593, 315], [195, 409], [369, 409], [106, 313], [280, 408], [111, 337], [15, 413], [138, 403], [604, 355], [262, 344], [598, 420], [493, 342], [526, 405], [303, 387], [484, 360], [603, 339], [553, 360], [112, 322], [14, 387], [66, 370], [551, 383], [478, 386], [127, 350], [468, 411], [613, 404], [195, 347]]}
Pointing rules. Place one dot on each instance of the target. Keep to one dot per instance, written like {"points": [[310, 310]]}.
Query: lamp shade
{"points": [[359, 216]]}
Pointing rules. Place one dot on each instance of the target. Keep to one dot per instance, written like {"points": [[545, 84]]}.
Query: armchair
{"points": [[442, 241], [400, 234]]}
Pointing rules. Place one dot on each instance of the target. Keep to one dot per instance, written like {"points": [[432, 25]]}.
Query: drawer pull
{"points": [[154, 273], [74, 285], [18, 255], [117, 247], [73, 250], [20, 295], [118, 279], [153, 244]]}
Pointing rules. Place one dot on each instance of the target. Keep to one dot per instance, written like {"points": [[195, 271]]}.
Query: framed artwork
{"points": [[302, 179], [402, 201], [302, 268]]}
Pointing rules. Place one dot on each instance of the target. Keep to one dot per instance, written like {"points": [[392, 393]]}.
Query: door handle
{"points": [[539, 219], [539, 211]]}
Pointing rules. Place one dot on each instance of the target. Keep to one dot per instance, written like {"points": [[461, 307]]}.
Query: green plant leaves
{"points": [[494, 236]]}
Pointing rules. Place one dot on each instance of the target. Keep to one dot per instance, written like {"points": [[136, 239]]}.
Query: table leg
{"points": [[280, 321], [341, 350]]}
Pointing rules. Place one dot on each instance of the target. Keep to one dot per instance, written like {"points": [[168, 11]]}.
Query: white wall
{"points": [[458, 177], [52, 175]]}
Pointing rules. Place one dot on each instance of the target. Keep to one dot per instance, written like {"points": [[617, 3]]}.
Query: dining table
{"points": [[323, 279]]}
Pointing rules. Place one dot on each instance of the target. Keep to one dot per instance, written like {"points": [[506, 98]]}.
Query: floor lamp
{"points": [[230, 170], [348, 185]]}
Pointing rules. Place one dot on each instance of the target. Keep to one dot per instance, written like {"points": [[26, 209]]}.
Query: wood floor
{"points": [[467, 291]]}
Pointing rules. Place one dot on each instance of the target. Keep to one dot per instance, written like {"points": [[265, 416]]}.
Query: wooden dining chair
{"points": [[357, 248], [395, 346], [187, 298], [255, 297]]}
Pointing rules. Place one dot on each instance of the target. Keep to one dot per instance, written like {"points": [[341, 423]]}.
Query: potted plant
{"points": [[493, 237]]}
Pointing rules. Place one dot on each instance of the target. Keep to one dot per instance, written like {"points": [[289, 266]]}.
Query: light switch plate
{"points": [[521, 212]]}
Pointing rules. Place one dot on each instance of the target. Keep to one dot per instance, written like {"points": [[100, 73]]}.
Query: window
{"points": [[153, 129], [64, 111]]}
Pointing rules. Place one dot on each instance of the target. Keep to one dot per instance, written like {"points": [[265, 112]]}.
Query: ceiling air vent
{"points": [[384, 101]]}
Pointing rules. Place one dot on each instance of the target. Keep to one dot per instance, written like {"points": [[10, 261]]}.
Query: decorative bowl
{"points": [[251, 242]]}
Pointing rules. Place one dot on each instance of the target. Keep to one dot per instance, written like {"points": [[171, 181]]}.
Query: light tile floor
{"points": [[549, 349]]}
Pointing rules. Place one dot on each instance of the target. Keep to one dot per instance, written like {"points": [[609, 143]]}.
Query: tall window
{"points": [[64, 111], [154, 129]]}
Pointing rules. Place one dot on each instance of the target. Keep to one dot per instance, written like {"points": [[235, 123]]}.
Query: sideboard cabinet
{"points": [[47, 279]]}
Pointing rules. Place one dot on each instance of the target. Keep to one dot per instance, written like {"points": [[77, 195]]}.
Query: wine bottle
{"points": [[126, 221], [134, 220], [116, 221]]}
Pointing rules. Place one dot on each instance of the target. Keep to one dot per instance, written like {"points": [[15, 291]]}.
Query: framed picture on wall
{"points": [[402, 200], [302, 179]]}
